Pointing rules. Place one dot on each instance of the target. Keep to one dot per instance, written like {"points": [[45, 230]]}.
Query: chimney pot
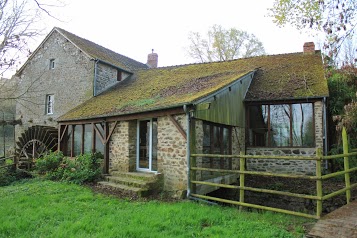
{"points": [[309, 47], [152, 59]]}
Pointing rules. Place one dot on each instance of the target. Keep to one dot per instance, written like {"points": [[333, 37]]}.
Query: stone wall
{"points": [[172, 160], [70, 81], [122, 147], [290, 166], [282, 166], [171, 152], [107, 77]]}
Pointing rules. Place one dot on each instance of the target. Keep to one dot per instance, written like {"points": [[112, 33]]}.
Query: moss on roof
{"points": [[99, 52], [288, 76]]}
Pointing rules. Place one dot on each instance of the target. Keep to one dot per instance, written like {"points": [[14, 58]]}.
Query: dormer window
{"points": [[119, 75], [52, 63]]}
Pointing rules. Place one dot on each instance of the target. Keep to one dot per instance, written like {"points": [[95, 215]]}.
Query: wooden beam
{"points": [[93, 138], [111, 132], [106, 149], [101, 137], [134, 116], [63, 133], [178, 126]]}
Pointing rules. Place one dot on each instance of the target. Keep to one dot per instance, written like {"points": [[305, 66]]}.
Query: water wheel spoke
{"points": [[34, 143]]}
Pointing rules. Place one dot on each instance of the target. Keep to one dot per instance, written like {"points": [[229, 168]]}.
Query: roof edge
{"points": [[18, 72]]}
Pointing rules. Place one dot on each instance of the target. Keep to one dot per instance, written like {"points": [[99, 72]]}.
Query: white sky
{"points": [[134, 27]]}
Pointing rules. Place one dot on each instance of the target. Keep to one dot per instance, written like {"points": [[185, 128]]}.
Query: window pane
{"points": [[99, 147], [69, 141], [88, 138], [77, 140], [258, 120], [226, 136], [303, 128], [216, 140], [206, 138], [280, 125]]}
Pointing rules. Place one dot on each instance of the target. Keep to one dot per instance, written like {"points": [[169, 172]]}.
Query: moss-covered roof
{"points": [[288, 76], [99, 52]]}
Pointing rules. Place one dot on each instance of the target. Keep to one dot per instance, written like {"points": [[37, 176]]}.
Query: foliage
{"points": [[52, 209], [49, 162], [336, 18], [342, 87], [342, 103], [9, 175], [82, 169], [221, 45]]}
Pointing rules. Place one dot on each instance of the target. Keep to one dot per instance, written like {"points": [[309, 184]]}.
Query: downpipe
{"points": [[188, 150]]}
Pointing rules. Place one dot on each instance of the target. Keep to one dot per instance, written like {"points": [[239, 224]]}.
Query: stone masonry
{"points": [[70, 81], [171, 154], [107, 77], [122, 147], [172, 160]]}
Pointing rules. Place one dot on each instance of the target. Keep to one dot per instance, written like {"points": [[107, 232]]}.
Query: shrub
{"points": [[82, 169], [49, 163], [9, 175]]}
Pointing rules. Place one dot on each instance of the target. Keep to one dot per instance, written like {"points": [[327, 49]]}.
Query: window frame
{"points": [[290, 103], [119, 75], [52, 64], [212, 125], [50, 99]]}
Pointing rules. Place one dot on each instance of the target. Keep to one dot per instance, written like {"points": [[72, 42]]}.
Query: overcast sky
{"points": [[134, 27]]}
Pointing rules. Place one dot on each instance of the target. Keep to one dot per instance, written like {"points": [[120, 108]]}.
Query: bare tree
{"points": [[336, 18], [221, 44], [20, 24]]}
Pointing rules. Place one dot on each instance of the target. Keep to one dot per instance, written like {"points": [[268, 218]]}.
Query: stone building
{"points": [[64, 71], [147, 120]]}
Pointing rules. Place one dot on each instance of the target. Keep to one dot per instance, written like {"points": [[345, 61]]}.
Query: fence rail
{"points": [[319, 197], [4, 161]]}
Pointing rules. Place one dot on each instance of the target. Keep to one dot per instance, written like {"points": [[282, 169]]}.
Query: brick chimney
{"points": [[309, 47], [152, 59]]}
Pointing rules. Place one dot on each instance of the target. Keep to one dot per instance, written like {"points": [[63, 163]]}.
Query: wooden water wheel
{"points": [[34, 143]]}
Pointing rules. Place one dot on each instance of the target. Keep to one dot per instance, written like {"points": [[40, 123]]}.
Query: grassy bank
{"points": [[50, 209]]}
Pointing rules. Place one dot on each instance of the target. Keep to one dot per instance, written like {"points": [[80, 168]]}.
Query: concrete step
{"points": [[136, 175], [139, 191], [130, 182], [139, 182]]}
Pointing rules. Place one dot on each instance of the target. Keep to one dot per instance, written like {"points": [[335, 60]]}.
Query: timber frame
{"points": [[105, 137]]}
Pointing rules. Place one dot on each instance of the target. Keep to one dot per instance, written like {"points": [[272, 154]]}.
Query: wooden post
{"points": [[241, 179], [192, 142], [318, 182], [106, 149], [346, 165]]}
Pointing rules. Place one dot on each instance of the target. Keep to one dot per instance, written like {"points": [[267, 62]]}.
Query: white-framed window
{"points": [[49, 103], [52, 63]]}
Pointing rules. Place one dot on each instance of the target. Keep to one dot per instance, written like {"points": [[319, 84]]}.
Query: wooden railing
{"points": [[4, 161], [319, 197]]}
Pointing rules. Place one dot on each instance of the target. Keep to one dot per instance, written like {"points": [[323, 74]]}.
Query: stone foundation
{"points": [[282, 166]]}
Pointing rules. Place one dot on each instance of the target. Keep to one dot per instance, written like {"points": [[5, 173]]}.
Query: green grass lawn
{"points": [[50, 209]]}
